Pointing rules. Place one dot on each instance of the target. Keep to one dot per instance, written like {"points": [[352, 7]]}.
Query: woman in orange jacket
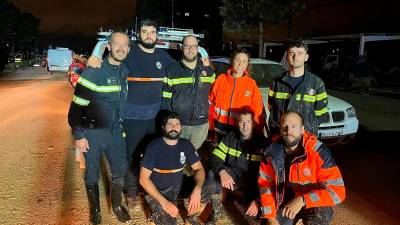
{"points": [[233, 92]]}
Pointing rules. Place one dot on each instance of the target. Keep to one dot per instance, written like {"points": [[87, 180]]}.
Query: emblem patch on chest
{"points": [[159, 65], [311, 92], [182, 158], [307, 172], [204, 73], [247, 93], [112, 80]]}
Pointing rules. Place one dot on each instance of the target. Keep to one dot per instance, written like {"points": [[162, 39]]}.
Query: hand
{"points": [[253, 209], [94, 62], [273, 221], [170, 208], [205, 60], [293, 207], [194, 201], [82, 145], [227, 180]]}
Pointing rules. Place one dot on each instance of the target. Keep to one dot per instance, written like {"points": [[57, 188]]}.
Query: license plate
{"points": [[330, 134]]}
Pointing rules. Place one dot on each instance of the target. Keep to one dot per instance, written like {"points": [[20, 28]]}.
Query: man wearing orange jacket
{"points": [[298, 177]]}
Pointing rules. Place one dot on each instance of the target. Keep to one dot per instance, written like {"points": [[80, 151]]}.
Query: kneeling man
{"points": [[298, 177]]}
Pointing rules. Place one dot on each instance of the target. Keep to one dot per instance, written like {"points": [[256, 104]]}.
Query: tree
{"points": [[17, 29], [241, 15]]}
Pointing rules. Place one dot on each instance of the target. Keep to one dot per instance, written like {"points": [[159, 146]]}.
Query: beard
{"points": [[172, 135], [186, 58], [116, 57], [293, 143], [147, 45]]}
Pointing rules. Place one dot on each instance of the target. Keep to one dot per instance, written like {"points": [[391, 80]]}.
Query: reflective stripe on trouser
{"points": [[113, 146]]}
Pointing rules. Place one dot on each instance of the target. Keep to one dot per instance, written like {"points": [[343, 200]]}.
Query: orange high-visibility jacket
{"points": [[230, 95], [314, 175]]}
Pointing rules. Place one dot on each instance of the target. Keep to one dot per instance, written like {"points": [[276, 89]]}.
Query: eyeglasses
{"points": [[185, 46]]}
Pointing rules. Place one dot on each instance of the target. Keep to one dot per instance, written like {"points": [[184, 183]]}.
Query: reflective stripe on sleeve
{"points": [[265, 191], [223, 147], [264, 176], [266, 210], [219, 154], [92, 86], [335, 198], [80, 101], [321, 112], [321, 96], [336, 182], [167, 94], [208, 79], [314, 197]]}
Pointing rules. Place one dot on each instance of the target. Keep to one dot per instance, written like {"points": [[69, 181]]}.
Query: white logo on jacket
{"points": [[159, 65], [183, 158], [307, 172]]}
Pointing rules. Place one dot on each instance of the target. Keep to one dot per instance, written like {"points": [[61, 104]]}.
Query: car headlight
{"points": [[351, 112]]}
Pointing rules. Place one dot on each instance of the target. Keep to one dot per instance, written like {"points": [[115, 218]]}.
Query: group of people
{"points": [[150, 115]]}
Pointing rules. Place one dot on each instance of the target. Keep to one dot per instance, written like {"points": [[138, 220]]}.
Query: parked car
{"points": [[341, 124]]}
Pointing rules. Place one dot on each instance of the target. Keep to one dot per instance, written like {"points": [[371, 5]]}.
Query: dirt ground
{"points": [[41, 183]]}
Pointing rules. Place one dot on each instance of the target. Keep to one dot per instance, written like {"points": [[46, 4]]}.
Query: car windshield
{"points": [[262, 73], [265, 73]]}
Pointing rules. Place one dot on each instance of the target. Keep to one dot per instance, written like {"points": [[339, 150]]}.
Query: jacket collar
{"points": [[277, 149], [199, 64], [229, 73]]}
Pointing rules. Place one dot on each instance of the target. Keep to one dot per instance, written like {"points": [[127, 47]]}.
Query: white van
{"points": [[339, 127], [59, 59]]}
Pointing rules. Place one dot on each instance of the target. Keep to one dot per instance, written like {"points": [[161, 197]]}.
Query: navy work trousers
{"points": [[112, 144]]}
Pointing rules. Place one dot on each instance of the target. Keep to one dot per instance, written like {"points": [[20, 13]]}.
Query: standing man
{"points": [[298, 178], [234, 165], [186, 92], [95, 116], [161, 173], [297, 90], [147, 70]]}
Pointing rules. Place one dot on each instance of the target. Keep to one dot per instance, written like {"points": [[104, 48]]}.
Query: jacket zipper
{"points": [[194, 96], [230, 102]]}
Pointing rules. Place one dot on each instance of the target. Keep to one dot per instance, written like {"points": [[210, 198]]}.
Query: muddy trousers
{"points": [[311, 216], [212, 192], [138, 134], [157, 214]]}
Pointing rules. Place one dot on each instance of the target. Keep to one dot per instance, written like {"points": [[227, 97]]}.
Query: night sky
{"points": [[321, 18], [72, 16]]}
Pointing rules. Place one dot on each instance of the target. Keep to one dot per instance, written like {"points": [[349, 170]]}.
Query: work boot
{"points": [[216, 203], [94, 203], [116, 196]]}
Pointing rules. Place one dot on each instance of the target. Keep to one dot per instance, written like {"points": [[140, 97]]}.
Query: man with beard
{"points": [[95, 115], [186, 92], [297, 90], [161, 173], [147, 70], [298, 177]]}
